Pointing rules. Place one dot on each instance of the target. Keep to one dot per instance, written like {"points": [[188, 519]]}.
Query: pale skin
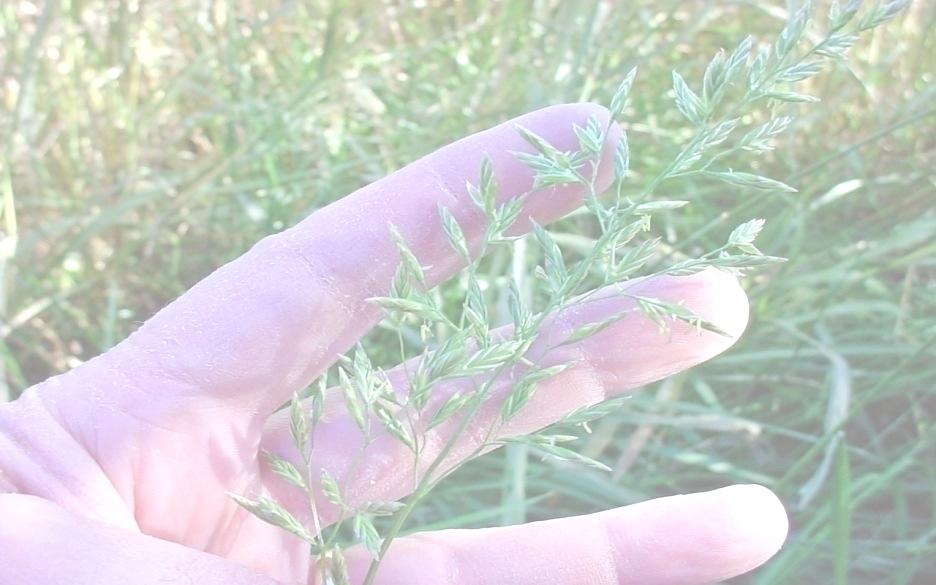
{"points": [[118, 471]]}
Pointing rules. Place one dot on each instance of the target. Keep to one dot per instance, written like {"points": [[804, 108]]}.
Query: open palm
{"points": [[119, 471]]}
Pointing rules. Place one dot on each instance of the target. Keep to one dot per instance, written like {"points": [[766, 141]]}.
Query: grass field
{"points": [[148, 142]]}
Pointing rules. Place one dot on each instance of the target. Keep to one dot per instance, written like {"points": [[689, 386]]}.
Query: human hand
{"points": [[118, 471]]}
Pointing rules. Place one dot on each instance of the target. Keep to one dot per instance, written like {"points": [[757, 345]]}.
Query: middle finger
{"points": [[630, 353]]}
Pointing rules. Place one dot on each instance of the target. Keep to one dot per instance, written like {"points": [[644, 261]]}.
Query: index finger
{"points": [[248, 336]]}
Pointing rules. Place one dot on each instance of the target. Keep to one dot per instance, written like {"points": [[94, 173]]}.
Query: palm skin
{"points": [[118, 471]]}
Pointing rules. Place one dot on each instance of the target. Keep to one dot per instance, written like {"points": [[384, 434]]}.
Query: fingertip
{"points": [[718, 297], [563, 118], [560, 118], [701, 537], [751, 527], [713, 294], [636, 350], [556, 124]]}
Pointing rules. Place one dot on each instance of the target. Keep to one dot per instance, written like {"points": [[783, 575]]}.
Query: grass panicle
{"points": [[737, 87]]}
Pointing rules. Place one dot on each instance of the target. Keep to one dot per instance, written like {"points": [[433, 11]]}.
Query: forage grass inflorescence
{"points": [[740, 106]]}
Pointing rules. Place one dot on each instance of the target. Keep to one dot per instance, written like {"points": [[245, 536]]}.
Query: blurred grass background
{"points": [[146, 142]]}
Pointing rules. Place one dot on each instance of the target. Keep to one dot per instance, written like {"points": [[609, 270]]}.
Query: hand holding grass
{"points": [[119, 471], [169, 459]]}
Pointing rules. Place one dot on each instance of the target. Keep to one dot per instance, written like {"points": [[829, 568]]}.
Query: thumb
{"points": [[43, 544]]}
